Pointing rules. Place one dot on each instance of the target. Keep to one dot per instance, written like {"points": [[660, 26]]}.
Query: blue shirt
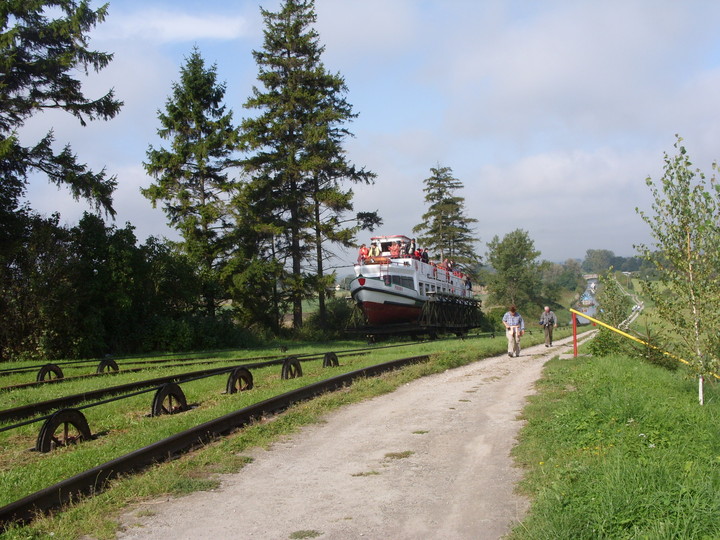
{"points": [[514, 320]]}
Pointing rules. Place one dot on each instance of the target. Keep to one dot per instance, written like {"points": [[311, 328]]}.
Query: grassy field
{"points": [[124, 426], [616, 448]]}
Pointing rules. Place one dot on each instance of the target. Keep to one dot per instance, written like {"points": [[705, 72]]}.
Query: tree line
{"points": [[259, 206]]}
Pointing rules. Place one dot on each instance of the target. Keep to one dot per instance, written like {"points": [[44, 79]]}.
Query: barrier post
{"points": [[574, 325]]}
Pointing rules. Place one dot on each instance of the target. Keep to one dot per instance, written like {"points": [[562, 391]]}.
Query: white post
{"points": [[700, 390]]}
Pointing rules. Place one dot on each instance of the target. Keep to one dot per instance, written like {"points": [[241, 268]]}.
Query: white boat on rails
{"points": [[411, 296]]}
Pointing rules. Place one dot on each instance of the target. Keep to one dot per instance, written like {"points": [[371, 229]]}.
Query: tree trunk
{"points": [[296, 264], [320, 271]]}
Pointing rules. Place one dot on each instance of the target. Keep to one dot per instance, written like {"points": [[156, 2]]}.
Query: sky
{"points": [[552, 114]]}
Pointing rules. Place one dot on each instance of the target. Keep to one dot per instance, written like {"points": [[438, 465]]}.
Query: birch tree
{"points": [[686, 235]]}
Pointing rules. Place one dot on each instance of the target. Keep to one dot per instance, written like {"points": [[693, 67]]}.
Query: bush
{"points": [[195, 332], [608, 342], [167, 334], [339, 314]]}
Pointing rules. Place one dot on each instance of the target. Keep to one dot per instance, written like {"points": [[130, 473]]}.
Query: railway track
{"points": [[94, 480], [65, 426]]}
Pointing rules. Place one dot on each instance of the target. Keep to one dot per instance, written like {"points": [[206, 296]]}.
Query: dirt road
{"points": [[430, 460]]}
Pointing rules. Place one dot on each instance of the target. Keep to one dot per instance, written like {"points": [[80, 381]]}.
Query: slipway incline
{"points": [[430, 460]]}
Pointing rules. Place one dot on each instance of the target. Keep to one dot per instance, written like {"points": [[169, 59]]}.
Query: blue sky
{"points": [[551, 113]]}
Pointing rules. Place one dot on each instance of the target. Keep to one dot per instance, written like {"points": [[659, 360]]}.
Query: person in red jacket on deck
{"points": [[395, 250], [363, 253]]}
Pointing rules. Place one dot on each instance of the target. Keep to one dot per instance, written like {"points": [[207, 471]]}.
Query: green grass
{"points": [[124, 426], [615, 448]]}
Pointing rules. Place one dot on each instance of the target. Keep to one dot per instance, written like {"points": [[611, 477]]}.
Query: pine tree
{"points": [[297, 163], [192, 175], [445, 229], [43, 47]]}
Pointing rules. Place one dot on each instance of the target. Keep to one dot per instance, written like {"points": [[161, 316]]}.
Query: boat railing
{"points": [[431, 270]]}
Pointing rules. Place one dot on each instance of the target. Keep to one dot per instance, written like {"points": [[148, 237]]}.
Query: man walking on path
{"points": [[514, 329], [548, 321]]}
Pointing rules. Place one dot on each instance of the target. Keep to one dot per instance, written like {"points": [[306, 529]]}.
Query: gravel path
{"points": [[430, 460]]}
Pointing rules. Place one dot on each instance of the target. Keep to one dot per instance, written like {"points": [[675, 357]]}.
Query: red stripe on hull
{"points": [[390, 313]]}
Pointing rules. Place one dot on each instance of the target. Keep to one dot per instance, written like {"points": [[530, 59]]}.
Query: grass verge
{"points": [[615, 448]]}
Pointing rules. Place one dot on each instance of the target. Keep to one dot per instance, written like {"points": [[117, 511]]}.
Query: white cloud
{"points": [[170, 26], [357, 30]]}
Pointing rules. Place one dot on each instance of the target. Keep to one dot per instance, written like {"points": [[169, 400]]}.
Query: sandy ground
{"points": [[430, 460]]}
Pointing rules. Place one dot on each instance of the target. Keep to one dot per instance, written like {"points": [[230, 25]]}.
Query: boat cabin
{"points": [[387, 241]]}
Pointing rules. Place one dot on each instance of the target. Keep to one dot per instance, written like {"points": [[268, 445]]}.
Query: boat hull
{"points": [[392, 306]]}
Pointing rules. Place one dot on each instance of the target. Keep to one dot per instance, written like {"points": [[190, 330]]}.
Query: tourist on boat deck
{"points": [[412, 248], [425, 256], [514, 329], [374, 249], [395, 250], [363, 253]]}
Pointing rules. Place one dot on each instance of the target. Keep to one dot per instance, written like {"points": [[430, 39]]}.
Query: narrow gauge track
{"points": [[30, 369], [120, 371], [161, 357], [33, 409], [187, 361], [30, 410], [148, 364], [94, 480]]}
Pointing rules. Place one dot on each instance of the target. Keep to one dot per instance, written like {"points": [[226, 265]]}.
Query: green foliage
{"points": [[607, 342], [191, 177], [445, 229], [614, 448], [517, 278], [294, 200], [614, 309], [90, 290], [43, 48], [494, 317], [339, 314], [653, 352], [257, 289], [614, 303], [558, 279], [685, 226], [598, 261]]}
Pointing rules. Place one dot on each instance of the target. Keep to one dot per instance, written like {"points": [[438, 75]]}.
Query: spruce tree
{"points": [[191, 175], [296, 161], [43, 49], [445, 229]]}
